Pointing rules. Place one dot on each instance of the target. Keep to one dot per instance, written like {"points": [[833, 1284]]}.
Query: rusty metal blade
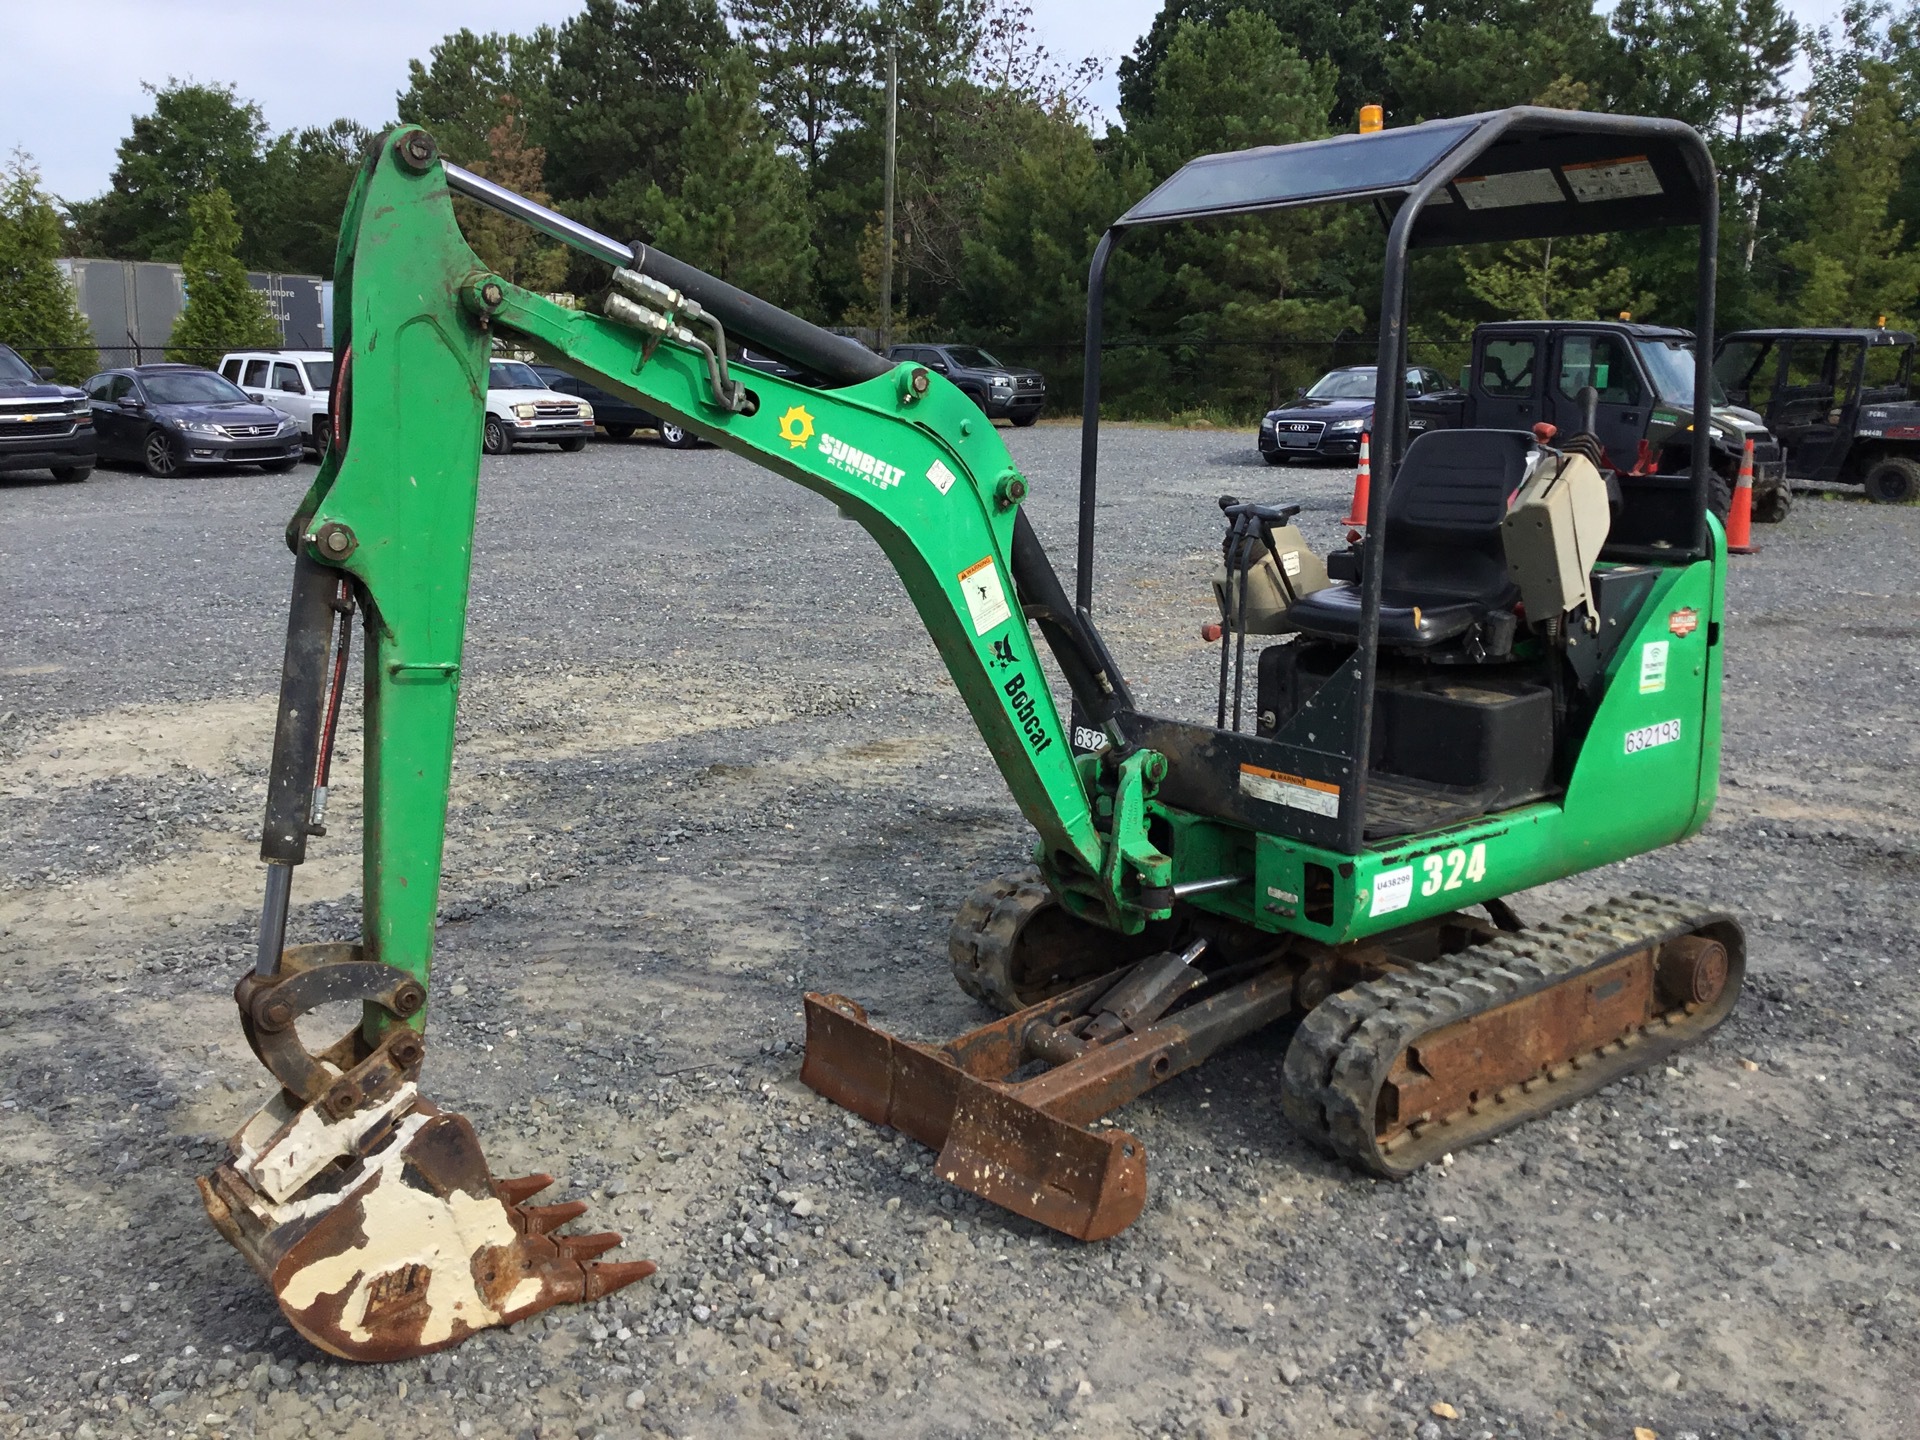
{"points": [[1084, 1184], [991, 1142]]}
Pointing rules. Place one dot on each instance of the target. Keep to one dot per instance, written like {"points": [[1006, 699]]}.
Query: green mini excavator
{"points": [[1512, 677]]}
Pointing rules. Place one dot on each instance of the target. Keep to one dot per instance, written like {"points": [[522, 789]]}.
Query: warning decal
{"points": [[1520, 187], [986, 600], [1612, 179], [941, 477], [1276, 787]]}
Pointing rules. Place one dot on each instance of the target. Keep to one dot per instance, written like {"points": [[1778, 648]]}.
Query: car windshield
{"points": [[13, 368], [513, 375], [1670, 362], [973, 357], [192, 387], [1343, 385], [320, 374]]}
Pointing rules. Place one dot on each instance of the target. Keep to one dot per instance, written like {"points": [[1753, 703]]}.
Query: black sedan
{"points": [[171, 418], [617, 416], [1326, 421]]}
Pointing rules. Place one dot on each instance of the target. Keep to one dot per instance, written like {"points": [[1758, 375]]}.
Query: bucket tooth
{"points": [[539, 1219], [522, 1188], [587, 1247], [610, 1275]]}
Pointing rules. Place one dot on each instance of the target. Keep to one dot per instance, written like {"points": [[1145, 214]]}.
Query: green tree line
{"points": [[746, 137]]}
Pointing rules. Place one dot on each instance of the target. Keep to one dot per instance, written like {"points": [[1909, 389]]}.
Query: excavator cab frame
{"points": [[1517, 174]]}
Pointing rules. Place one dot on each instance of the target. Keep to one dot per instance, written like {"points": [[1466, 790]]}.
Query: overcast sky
{"points": [[72, 81]]}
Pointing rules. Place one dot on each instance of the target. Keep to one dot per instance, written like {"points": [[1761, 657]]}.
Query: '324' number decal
{"points": [[1451, 870]]}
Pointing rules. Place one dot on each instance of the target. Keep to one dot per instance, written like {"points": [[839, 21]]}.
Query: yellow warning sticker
{"points": [[1276, 787]]}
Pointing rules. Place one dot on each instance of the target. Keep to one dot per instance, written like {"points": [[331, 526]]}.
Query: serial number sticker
{"points": [[1392, 890], [941, 476], [1621, 179], [1517, 187], [986, 600], [1653, 667], [1648, 736], [1276, 787], [1290, 562], [1452, 869]]}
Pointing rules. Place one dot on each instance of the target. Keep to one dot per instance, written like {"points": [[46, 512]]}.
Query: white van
{"points": [[294, 382]]}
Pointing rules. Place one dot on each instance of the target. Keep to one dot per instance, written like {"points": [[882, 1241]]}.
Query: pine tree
{"points": [[808, 53], [223, 312], [37, 305], [514, 251], [741, 210], [1854, 266]]}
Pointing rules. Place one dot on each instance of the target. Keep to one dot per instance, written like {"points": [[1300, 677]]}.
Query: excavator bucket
{"points": [[406, 1248], [371, 1212]]}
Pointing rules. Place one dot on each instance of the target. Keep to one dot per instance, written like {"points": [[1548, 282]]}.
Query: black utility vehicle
{"points": [[618, 417], [1840, 402], [1325, 420], [1005, 392], [1528, 371], [171, 418], [43, 426]]}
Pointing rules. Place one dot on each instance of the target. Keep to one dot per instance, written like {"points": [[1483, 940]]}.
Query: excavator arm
{"points": [[372, 1214]]}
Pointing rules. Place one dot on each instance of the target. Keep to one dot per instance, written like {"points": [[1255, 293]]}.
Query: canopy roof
{"points": [[1514, 174]]}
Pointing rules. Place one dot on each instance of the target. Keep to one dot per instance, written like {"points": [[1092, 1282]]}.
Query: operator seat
{"points": [[1446, 566]]}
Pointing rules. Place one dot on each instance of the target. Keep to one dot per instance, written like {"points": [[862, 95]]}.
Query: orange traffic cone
{"points": [[1740, 515], [1362, 483]]}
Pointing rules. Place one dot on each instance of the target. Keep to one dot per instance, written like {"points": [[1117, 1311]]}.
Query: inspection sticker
{"points": [[1648, 736], [1290, 562], [1517, 187], [1684, 621], [1620, 179], [986, 600], [941, 476], [1316, 797], [1392, 890], [1653, 667]]}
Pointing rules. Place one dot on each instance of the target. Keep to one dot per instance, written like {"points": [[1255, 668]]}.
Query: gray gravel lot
{"points": [[708, 761]]}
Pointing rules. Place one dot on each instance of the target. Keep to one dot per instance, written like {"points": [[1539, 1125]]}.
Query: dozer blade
{"points": [[991, 1142], [1022, 1143], [384, 1235]]}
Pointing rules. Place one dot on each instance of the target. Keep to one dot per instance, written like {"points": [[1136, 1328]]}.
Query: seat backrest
{"points": [[1443, 514]]}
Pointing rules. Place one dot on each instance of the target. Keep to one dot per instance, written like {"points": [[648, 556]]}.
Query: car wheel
{"points": [[322, 437], [619, 432], [1027, 419], [1273, 457], [676, 437], [161, 455], [574, 444], [494, 439], [278, 467], [979, 399], [1772, 505], [1894, 481], [72, 474]]}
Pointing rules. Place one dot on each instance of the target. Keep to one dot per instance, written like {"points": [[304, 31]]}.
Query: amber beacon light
{"points": [[1372, 118]]}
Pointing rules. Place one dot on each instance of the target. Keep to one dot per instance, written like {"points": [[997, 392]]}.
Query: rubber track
{"points": [[986, 932], [1341, 1054]]}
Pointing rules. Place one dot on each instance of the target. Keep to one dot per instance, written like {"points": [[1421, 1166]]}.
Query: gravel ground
{"points": [[708, 761]]}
